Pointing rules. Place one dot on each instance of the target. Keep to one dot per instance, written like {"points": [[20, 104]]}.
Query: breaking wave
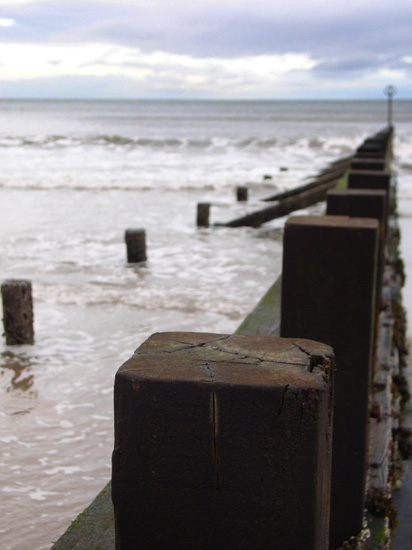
{"points": [[128, 142]]}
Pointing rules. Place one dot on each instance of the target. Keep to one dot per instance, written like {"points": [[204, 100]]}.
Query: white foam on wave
{"points": [[114, 161]]}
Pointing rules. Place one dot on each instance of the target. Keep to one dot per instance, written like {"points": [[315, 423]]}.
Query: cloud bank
{"points": [[211, 49]]}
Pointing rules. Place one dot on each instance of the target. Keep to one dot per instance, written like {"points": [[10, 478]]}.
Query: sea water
{"points": [[74, 176]]}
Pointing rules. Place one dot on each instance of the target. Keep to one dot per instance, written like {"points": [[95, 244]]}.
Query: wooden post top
{"points": [[334, 221], [223, 441], [358, 193], [228, 359]]}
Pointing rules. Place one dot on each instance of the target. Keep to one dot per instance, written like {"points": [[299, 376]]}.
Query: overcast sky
{"points": [[289, 49]]}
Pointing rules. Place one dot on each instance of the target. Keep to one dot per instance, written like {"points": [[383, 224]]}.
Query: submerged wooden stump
{"points": [[17, 312], [223, 442], [136, 245], [242, 193], [203, 212]]}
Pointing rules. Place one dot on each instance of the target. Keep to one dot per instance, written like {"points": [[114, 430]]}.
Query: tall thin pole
{"points": [[390, 91]]}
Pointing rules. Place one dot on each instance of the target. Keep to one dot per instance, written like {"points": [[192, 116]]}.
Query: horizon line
{"points": [[45, 98]]}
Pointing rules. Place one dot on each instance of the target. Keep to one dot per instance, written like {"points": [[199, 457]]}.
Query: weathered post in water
{"points": [[242, 193], [136, 245], [17, 312], [329, 294], [203, 211], [223, 442]]}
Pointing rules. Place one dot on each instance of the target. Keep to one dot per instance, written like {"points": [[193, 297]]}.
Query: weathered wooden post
{"points": [[223, 442], [372, 148], [358, 203], [203, 210], [378, 146], [363, 203], [369, 179], [17, 312], [136, 245], [368, 164], [328, 294], [242, 193]]}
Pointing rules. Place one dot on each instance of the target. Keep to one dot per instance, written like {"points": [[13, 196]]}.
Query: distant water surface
{"points": [[76, 174]]}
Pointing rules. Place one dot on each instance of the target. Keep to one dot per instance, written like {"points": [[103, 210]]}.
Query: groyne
{"points": [[297, 198], [342, 280]]}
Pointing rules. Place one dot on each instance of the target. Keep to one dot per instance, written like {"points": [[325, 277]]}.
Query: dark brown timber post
{"points": [[17, 312], [242, 193], [203, 211], [369, 179], [368, 164], [136, 245], [358, 203], [363, 203], [223, 442], [328, 294]]}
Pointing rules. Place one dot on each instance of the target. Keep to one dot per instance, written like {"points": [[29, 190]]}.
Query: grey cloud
{"points": [[354, 66], [200, 30], [348, 45]]}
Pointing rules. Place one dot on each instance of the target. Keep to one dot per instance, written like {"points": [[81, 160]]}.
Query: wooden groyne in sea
{"points": [[295, 199], [287, 434], [317, 188]]}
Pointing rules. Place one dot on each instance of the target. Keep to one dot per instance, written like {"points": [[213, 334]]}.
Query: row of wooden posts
{"points": [[17, 294], [17, 300], [283, 202], [239, 441]]}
